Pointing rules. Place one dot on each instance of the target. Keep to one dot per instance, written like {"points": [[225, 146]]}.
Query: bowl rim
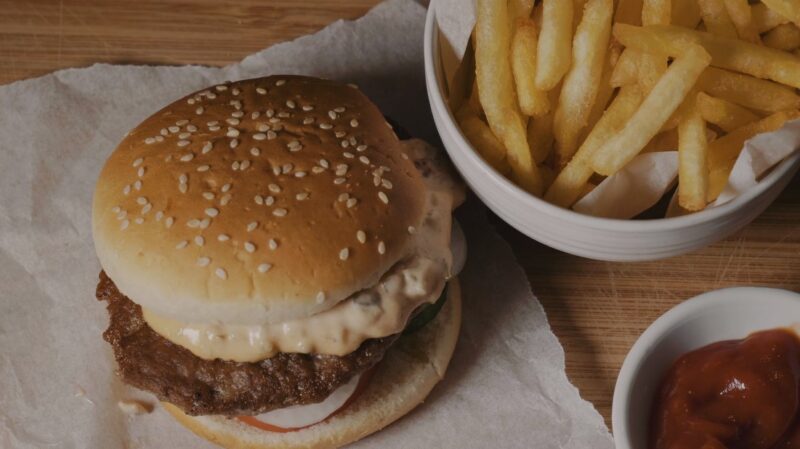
{"points": [[433, 81], [659, 329]]}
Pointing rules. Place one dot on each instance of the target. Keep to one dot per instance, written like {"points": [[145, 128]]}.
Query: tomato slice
{"points": [[255, 422]]}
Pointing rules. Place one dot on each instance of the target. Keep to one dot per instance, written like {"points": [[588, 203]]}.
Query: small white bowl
{"points": [[727, 314], [583, 235]]}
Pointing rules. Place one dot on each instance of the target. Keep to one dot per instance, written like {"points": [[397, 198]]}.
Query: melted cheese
{"points": [[376, 312]]}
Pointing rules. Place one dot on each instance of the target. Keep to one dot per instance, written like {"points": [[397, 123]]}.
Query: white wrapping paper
{"points": [[506, 386], [645, 180]]}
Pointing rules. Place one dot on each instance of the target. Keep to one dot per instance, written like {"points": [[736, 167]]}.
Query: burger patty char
{"points": [[220, 387]]}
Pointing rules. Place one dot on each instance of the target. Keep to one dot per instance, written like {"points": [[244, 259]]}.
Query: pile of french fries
{"points": [[567, 92]]}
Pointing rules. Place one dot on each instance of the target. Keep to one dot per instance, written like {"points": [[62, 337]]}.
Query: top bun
{"points": [[257, 201]]}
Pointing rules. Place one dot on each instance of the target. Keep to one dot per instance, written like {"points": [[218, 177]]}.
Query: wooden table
{"points": [[597, 309]]}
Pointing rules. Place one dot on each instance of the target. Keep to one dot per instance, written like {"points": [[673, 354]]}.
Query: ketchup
{"points": [[737, 394]]}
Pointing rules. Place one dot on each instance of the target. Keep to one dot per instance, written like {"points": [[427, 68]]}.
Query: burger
{"points": [[277, 264]]}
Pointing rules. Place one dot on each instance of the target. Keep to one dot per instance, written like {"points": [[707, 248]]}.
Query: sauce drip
{"points": [[737, 394]]}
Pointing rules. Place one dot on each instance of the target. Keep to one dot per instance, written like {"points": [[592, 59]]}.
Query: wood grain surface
{"points": [[597, 309]]}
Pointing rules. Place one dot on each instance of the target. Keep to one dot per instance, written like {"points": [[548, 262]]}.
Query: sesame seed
{"points": [[182, 122], [223, 238], [141, 201], [207, 147], [273, 244], [284, 114], [343, 197], [150, 140], [183, 178], [259, 200], [351, 203], [255, 151], [280, 82], [274, 188], [381, 248], [140, 172], [259, 136], [233, 121], [339, 109], [354, 123], [280, 212], [226, 187], [203, 261], [137, 185], [191, 101], [290, 104], [124, 225], [244, 165], [187, 157], [213, 123], [300, 174], [237, 114], [345, 144], [361, 236], [271, 135], [308, 120], [361, 147], [199, 240], [139, 220], [325, 126], [376, 180], [324, 163], [344, 254], [294, 144], [348, 155], [122, 214], [383, 197], [214, 128], [212, 212], [193, 223], [332, 115], [169, 221], [126, 190], [275, 120], [138, 162], [199, 110], [262, 127], [252, 226], [386, 184], [173, 129], [286, 168], [182, 244], [191, 128], [341, 169], [211, 95], [232, 132], [339, 134], [249, 247], [204, 223], [412, 229], [255, 115], [159, 215], [235, 91], [223, 201], [301, 196], [308, 107], [352, 140], [269, 201], [163, 132], [261, 90], [364, 160], [147, 208], [183, 143], [320, 297], [317, 169], [221, 273], [159, 138], [234, 143], [339, 181], [270, 112], [184, 135], [264, 267], [221, 87]]}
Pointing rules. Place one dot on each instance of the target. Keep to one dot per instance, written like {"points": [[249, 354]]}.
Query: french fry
{"points": [[604, 92], [728, 116], [766, 19], [581, 83], [747, 91], [481, 137], [663, 141], [686, 13], [716, 18], [647, 69], [540, 131], [692, 160], [732, 54], [570, 183], [626, 71], [787, 8], [656, 109], [555, 43], [742, 17], [784, 37], [532, 101], [548, 176], [496, 90], [629, 11], [727, 148], [722, 153], [519, 9], [656, 12]]}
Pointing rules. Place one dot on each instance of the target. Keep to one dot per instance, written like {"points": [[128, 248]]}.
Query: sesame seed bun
{"points": [[258, 201], [401, 382]]}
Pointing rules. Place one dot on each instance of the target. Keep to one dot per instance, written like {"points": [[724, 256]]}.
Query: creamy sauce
{"points": [[379, 311]]}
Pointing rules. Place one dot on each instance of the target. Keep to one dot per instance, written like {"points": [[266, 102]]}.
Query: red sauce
{"points": [[738, 394]]}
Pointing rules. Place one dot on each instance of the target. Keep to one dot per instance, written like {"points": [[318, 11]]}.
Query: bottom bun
{"points": [[402, 380]]}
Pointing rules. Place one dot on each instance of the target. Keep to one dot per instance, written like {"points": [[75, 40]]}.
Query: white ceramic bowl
{"points": [[583, 235], [731, 313]]}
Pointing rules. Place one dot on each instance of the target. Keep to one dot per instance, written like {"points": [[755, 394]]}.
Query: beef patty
{"points": [[220, 387]]}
